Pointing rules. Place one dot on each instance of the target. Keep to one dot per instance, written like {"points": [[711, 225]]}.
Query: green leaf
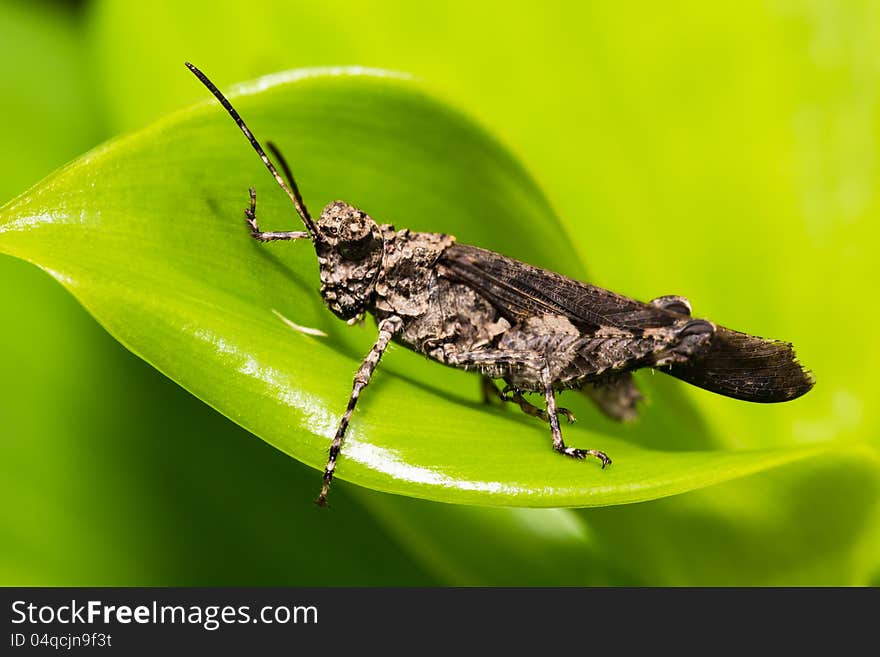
{"points": [[808, 524], [147, 233]]}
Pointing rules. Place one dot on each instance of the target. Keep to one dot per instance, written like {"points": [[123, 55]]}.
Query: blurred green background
{"points": [[724, 152]]}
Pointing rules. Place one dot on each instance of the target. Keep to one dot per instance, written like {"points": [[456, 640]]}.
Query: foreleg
{"points": [[387, 328], [250, 214]]}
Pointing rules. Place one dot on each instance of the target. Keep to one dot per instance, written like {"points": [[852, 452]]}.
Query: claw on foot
{"points": [[581, 454], [322, 496]]}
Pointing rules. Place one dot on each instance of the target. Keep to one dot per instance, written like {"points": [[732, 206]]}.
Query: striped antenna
{"points": [[292, 191]]}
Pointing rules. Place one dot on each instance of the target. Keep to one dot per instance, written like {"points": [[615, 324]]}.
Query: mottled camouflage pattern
{"points": [[536, 330]]}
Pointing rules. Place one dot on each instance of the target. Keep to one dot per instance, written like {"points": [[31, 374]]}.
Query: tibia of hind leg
{"points": [[617, 398]]}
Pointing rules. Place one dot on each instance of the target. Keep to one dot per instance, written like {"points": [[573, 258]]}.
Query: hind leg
{"points": [[616, 398], [489, 391]]}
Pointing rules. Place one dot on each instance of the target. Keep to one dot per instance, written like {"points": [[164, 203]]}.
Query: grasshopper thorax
{"points": [[349, 246]]}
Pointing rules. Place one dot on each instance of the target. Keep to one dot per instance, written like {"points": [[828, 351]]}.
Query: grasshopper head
{"points": [[348, 243], [349, 247]]}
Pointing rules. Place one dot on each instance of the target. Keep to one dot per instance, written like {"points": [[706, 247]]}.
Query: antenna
{"points": [[294, 195], [286, 169]]}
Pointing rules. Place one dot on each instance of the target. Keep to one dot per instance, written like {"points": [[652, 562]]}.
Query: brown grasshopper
{"points": [[534, 329]]}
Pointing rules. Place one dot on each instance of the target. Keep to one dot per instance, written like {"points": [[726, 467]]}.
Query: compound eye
{"points": [[356, 249]]}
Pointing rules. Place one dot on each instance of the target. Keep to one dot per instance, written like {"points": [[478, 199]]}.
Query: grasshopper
{"points": [[533, 329]]}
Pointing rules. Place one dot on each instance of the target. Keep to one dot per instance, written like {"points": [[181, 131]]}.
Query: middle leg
{"points": [[510, 394], [556, 432], [492, 362], [491, 393]]}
